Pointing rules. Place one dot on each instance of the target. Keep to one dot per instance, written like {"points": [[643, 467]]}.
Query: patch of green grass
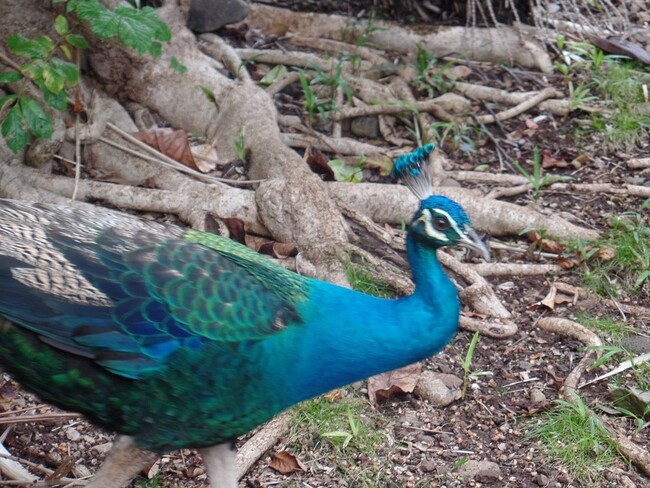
{"points": [[152, 483], [608, 325], [629, 270], [361, 279], [577, 440], [344, 433]]}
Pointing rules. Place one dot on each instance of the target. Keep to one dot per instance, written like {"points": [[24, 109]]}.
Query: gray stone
{"points": [[537, 396], [73, 434], [365, 127], [636, 344], [438, 389], [481, 471], [210, 15]]}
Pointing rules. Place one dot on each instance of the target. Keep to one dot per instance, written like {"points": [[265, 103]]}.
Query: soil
{"points": [[425, 445]]}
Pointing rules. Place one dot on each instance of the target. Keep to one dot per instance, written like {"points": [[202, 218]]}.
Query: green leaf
{"points": [[22, 46], [53, 79], [77, 41], [344, 172], [13, 130], [274, 74], [138, 28], [10, 76], [58, 101], [66, 50], [68, 70], [178, 66], [7, 99], [209, 94], [38, 121], [61, 25], [642, 277]]}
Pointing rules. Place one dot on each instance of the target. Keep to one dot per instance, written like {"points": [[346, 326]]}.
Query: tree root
{"points": [[635, 453], [263, 440], [479, 44]]}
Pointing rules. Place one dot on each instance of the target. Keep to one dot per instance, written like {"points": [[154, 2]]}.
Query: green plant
{"points": [[334, 79], [467, 365], [537, 179], [343, 435], [312, 104], [608, 325], [21, 114], [580, 95], [429, 77], [629, 268], [460, 134], [152, 483], [361, 279], [240, 144], [576, 439], [608, 352], [346, 172]]}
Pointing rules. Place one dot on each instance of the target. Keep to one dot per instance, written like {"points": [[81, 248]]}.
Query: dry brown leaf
{"points": [[531, 124], [549, 299], [170, 142], [569, 262], [205, 157], [549, 161], [580, 161], [385, 385], [458, 72], [236, 229], [285, 463], [606, 253], [317, 162]]}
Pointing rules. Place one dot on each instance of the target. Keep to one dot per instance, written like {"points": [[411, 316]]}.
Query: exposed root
{"points": [[263, 440], [635, 453]]}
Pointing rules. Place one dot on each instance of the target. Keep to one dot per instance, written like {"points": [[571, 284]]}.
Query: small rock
{"points": [[636, 344], [541, 480], [481, 471], [210, 15], [536, 396], [103, 448], [428, 466], [365, 127], [438, 389], [73, 434]]}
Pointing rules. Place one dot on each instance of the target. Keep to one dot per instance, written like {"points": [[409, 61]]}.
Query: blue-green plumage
{"points": [[185, 339]]}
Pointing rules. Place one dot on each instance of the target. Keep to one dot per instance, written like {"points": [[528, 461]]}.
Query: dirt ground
{"points": [[424, 445]]}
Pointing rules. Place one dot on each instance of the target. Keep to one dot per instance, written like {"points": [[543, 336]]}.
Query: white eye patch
{"points": [[426, 219]]}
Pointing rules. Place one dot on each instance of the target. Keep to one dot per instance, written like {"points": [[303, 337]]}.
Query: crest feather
{"points": [[413, 169]]}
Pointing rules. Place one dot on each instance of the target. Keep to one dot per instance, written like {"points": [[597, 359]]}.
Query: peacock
{"points": [[176, 338]]}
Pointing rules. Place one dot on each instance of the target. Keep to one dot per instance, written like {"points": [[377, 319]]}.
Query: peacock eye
{"points": [[441, 223]]}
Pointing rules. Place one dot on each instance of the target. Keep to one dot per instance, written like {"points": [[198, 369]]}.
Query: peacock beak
{"points": [[472, 240]]}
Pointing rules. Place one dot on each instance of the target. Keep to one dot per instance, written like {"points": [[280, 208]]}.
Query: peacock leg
{"points": [[123, 463], [220, 461]]}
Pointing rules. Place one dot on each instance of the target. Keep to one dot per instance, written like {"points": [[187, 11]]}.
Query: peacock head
{"points": [[439, 221]]}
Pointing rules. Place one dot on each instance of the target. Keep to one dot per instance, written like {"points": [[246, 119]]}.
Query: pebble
{"points": [[73, 434], [438, 389], [365, 127], [481, 471], [542, 480], [537, 396]]}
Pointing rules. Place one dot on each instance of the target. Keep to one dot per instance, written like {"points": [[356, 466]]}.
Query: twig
{"points": [[518, 109]]}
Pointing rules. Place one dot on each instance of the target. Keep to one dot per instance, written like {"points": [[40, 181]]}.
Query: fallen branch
{"points": [[514, 269], [632, 190]]}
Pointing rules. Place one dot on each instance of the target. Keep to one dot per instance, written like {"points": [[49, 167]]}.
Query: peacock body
{"points": [[178, 338]]}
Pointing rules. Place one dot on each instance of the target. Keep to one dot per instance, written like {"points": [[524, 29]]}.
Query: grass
{"points": [[572, 437], [629, 269], [619, 83], [342, 433], [361, 279], [607, 325]]}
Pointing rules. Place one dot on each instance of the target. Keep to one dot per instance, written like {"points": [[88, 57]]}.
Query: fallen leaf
{"points": [[385, 385], [205, 156], [279, 250], [551, 246], [285, 463], [569, 262], [170, 142], [531, 124], [380, 162], [458, 72], [616, 45], [236, 229], [549, 161], [549, 299], [580, 161], [606, 253], [317, 162]]}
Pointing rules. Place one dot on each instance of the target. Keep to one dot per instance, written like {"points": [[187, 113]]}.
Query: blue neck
{"points": [[348, 336]]}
